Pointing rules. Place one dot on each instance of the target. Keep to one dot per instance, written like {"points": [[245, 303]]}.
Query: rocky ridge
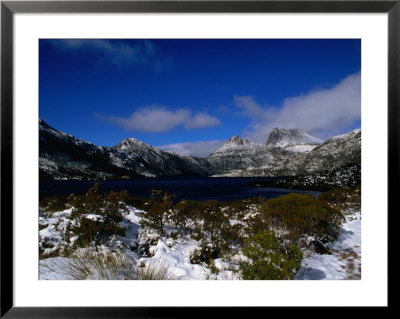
{"points": [[285, 153]]}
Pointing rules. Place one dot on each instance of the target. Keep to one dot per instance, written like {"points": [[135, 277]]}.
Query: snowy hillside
{"points": [[335, 152], [234, 142], [210, 244], [283, 138], [286, 153], [63, 156]]}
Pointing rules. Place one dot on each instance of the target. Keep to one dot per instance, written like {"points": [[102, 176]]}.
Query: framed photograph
{"points": [[196, 154]]}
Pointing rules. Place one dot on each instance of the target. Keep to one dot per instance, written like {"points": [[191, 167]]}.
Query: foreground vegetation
{"points": [[261, 239]]}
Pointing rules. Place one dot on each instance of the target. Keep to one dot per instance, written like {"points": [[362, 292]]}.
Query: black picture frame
{"points": [[9, 8]]}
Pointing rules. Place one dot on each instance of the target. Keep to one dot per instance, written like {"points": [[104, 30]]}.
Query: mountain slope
{"points": [[335, 152], [283, 138], [154, 162], [286, 153], [239, 157], [63, 156]]}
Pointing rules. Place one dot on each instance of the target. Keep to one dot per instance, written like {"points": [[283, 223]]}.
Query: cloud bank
{"points": [[321, 112], [199, 149], [116, 52], [158, 119]]}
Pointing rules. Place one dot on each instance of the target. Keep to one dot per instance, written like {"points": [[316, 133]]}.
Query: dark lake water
{"points": [[199, 188]]}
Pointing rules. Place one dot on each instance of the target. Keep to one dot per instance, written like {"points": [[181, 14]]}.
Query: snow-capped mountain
{"points": [[234, 142], [287, 152], [335, 152], [63, 156], [152, 161], [239, 157], [283, 138], [238, 154]]}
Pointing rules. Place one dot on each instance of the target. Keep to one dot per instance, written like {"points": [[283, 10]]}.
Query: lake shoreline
{"points": [[201, 188]]}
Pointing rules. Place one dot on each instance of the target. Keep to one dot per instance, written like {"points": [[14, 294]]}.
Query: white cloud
{"points": [[118, 53], [199, 149], [321, 112], [158, 119], [202, 120]]}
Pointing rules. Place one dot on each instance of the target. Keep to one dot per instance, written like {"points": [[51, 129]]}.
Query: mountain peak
{"points": [[128, 143], [237, 140], [234, 142], [281, 137]]}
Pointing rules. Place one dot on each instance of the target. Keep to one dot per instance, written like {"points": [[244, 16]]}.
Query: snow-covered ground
{"points": [[174, 254], [345, 260]]}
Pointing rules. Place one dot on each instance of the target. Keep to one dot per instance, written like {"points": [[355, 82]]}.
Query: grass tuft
{"points": [[155, 271]]}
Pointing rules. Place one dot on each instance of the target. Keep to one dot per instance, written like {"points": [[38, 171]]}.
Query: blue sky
{"points": [[180, 92]]}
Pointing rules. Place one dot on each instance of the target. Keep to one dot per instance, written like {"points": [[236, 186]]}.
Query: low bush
{"points": [[90, 203], [110, 209], [114, 206], [136, 202], [303, 214], [208, 250], [238, 207], [343, 198], [233, 233], [268, 259], [159, 203], [214, 221], [54, 203], [185, 211], [95, 232]]}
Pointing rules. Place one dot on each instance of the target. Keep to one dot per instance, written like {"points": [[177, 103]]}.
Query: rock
{"points": [[320, 248]]}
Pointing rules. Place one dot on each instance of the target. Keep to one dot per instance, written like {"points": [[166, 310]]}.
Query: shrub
{"points": [[110, 207], [87, 232], [214, 221], [54, 203], [90, 203], [136, 202], [208, 251], [114, 206], [214, 230], [90, 231], [159, 203], [184, 211], [267, 259], [239, 207], [303, 214], [233, 233], [343, 198], [244, 210]]}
